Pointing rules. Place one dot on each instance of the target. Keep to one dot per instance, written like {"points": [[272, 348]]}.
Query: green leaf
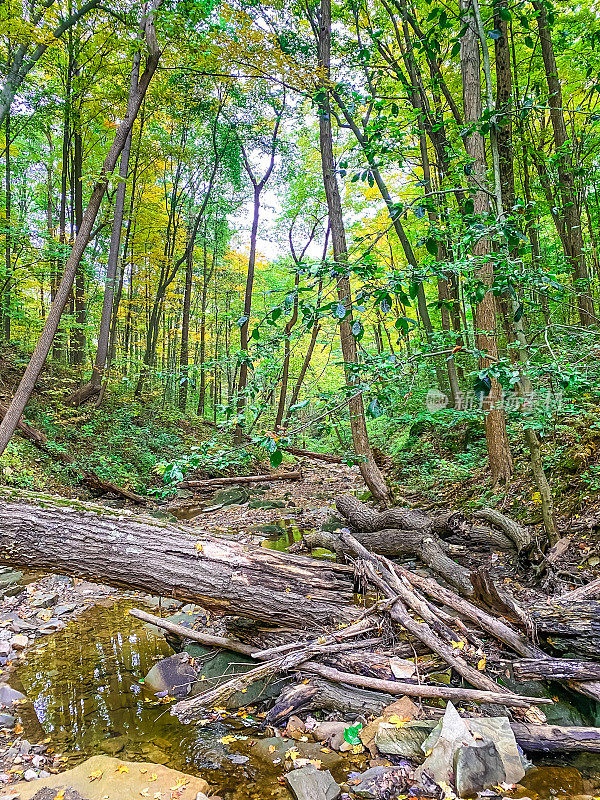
{"points": [[351, 734], [432, 246], [276, 458], [519, 312]]}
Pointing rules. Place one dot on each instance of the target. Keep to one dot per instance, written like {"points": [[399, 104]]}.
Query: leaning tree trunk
{"points": [[38, 358], [360, 437], [221, 574]]}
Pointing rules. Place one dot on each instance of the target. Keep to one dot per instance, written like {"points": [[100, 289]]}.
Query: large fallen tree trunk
{"points": [[159, 558]]}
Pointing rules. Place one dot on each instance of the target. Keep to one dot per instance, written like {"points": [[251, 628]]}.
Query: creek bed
{"points": [[84, 684]]}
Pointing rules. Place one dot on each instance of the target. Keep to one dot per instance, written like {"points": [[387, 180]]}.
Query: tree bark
{"points": [[360, 437], [485, 318], [220, 574], [27, 384], [8, 245]]}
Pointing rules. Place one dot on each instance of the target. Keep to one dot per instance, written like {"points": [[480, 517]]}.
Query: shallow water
{"points": [[84, 685]]}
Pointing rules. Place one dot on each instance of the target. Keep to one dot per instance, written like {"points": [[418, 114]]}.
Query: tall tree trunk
{"points": [[570, 212], [485, 316], [78, 337], [360, 437], [184, 354], [8, 242], [31, 374]]}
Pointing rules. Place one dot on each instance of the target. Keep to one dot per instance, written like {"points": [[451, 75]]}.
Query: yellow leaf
{"points": [[198, 546], [60, 795], [122, 768], [153, 777], [227, 739], [458, 645], [481, 664], [271, 748], [95, 776], [536, 497], [397, 721], [180, 783], [144, 793]]}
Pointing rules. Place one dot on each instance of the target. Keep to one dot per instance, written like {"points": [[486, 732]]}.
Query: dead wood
{"points": [[590, 591], [328, 457], [318, 694], [553, 738], [523, 538], [160, 558], [555, 669], [380, 573], [365, 519], [292, 475], [425, 546], [486, 593]]}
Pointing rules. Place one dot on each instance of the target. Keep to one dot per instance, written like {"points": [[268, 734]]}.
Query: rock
{"points": [[44, 600], [404, 709], [477, 766], [8, 695], [50, 794], [112, 745], [331, 733], [19, 641], [38, 761], [7, 721], [404, 741], [379, 783], [64, 608], [30, 775], [273, 751], [310, 783], [498, 730], [447, 737], [112, 783], [173, 675], [52, 626], [4, 649], [20, 625], [295, 728]]}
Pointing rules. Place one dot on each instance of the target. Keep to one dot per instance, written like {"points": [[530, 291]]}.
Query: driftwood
{"points": [[295, 475], [523, 538], [394, 542], [219, 573], [590, 591], [363, 518], [555, 669]]}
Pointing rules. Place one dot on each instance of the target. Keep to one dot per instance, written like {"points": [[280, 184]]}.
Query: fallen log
{"points": [[569, 627], [523, 538], [590, 591], [328, 457], [365, 519], [292, 475], [556, 739], [423, 545], [219, 573], [555, 668]]}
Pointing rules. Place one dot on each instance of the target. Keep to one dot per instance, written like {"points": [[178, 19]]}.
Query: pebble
{"points": [[52, 626], [7, 721], [44, 600], [19, 641], [4, 649], [8, 695], [30, 775]]}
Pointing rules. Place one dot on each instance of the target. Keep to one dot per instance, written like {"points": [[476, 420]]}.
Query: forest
{"points": [[299, 399]]}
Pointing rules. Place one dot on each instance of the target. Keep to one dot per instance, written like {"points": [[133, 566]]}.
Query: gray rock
{"points": [[4, 649], [64, 608], [173, 675], [25, 747], [450, 734], [498, 730], [310, 783], [406, 741], [52, 626], [112, 745], [31, 775], [45, 600], [7, 721], [382, 782], [20, 625], [477, 766], [262, 751], [8, 695]]}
